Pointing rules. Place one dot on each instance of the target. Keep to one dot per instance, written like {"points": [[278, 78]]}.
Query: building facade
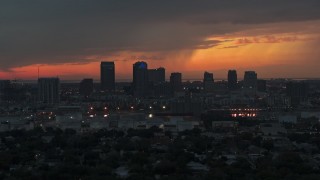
{"points": [[140, 79], [49, 90], [157, 76], [176, 81], [250, 80], [208, 82], [107, 76], [232, 80]]}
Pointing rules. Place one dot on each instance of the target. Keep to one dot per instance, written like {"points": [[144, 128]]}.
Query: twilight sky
{"points": [[69, 38]]}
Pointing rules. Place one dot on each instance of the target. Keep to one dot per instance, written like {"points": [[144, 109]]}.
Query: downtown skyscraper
{"points": [[86, 87], [107, 76], [208, 82], [176, 81], [250, 80], [232, 80], [156, 76], [49, 90], [140, 79]]}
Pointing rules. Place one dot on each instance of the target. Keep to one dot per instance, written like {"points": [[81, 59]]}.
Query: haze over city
{"points": [[69, 39]]}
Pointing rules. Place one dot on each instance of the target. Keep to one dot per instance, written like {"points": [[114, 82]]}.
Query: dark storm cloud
{"points": [[64, 31]]}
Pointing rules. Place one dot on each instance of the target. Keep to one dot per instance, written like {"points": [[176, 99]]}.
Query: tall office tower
{"points": [[250, 80], [86, 87], [140, 79], [107, 76], [232, 80], [208, 82], [49, 90], [297, 91], [176, 81], [156, 76]]}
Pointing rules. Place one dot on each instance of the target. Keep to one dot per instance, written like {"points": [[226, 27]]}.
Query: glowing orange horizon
{"points": [[248, 52]]}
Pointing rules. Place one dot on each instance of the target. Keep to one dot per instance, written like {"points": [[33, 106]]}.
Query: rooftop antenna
{"points": [[38, 72]]}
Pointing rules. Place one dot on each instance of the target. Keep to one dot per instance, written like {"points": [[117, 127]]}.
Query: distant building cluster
{"points": [[151, 95], [151, 83]]}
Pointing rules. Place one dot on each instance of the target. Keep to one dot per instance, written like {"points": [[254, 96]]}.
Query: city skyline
{"points": [[129, 77], [220, 75], [107, 75], [69, 39], [159, 90]]}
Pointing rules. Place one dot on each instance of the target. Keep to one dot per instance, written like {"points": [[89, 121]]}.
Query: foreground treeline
{"points": [[149, 154]]}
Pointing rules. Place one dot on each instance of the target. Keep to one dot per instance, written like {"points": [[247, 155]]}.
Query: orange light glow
{"points": [[234, 52]]}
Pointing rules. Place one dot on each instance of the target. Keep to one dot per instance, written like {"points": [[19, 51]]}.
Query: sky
{"points": [[69, 38]]}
